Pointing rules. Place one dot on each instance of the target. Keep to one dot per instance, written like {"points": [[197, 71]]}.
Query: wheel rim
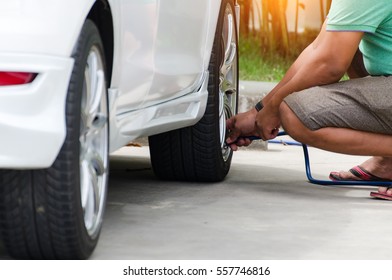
{"points": [[93, 143], [228, 77]]}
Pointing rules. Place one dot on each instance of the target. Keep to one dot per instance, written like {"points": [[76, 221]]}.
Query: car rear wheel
{"points": [[57, 213], [199, 153]]}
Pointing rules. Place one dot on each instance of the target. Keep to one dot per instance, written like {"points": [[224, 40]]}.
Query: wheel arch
{"points": [[101, 15]]}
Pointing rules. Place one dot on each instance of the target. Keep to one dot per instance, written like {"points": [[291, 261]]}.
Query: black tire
{"points": [[41, 211], [199, 153]]}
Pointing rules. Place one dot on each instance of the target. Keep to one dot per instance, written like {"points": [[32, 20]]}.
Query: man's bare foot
{"points": [[377, 167]]}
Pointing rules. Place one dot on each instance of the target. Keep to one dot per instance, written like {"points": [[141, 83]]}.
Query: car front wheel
{"points": [[199, 153]]}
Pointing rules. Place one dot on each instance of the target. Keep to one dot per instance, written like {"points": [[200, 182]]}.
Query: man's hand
{"points": [[267, 123], [240, 126], [264, 124]]}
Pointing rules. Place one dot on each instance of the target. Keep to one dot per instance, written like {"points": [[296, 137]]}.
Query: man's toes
{"points": [[343, 175], [385, 190]]}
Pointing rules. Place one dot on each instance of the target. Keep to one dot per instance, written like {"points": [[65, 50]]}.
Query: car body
{"points": [[147, 66], [41, 41]]}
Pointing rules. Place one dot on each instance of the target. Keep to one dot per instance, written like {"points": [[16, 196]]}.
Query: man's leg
{"points": [[377, 166], [346, 141], [339, 140]]}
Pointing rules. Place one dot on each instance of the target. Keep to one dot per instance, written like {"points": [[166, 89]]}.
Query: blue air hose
{"points": [[309, 173]]}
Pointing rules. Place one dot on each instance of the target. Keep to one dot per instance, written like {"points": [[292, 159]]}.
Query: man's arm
{"points": [[323, 62]]}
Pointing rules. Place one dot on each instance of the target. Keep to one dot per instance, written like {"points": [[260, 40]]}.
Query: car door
{"points": [[163, 50]]}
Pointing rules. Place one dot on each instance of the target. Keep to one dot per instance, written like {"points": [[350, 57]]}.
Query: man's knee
{"points": [[293, 126]]}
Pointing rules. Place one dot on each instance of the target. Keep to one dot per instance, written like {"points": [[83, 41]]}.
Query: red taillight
{"points": [[16, 78]]}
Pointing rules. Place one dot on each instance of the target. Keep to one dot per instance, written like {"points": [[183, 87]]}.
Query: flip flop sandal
{"points": [[381, 195], [360, 173], [363, 175]]}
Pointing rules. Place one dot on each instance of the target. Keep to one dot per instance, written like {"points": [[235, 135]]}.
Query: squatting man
{"points": [[315, 107]]}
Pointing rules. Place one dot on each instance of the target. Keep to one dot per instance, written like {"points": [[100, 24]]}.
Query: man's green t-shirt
{"points": [[374, 17]]}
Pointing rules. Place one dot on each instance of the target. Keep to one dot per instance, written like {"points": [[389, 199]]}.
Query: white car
{"points": [[80, 79]]}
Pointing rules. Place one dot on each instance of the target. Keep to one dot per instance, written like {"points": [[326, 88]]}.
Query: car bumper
{"points": [[32, 116]]}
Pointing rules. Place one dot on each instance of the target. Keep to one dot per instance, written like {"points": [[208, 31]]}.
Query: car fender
{"points": [[46, 27]]}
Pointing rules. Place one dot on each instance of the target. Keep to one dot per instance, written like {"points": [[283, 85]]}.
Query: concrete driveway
{"points": [[265, 209]]}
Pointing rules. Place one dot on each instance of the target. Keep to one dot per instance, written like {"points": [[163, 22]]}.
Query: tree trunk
{"points": [[245, 15], [277, 10]]}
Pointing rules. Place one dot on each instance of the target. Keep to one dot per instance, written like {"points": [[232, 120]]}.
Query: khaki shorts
{"points": [[361, 104]]}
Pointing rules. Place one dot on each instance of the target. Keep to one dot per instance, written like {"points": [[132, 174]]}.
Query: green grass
{"points": [[259, 65], [255, 66]]}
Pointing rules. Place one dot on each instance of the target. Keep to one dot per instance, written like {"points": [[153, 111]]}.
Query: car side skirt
{"points": [[177, 113]]}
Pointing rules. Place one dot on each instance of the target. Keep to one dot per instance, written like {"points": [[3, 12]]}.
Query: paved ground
{"points": [[265, 209]]}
